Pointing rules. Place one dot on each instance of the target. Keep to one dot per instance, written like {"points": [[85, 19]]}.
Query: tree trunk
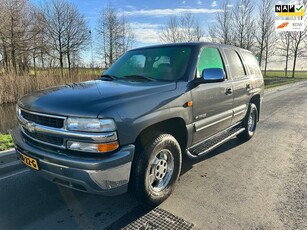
{"points": [[14, 60], [42, 60], [294, 62], [266, 60], [34, 65], [69, 64], [260, 54], [61, 64], [287, 56], [6, 59]]}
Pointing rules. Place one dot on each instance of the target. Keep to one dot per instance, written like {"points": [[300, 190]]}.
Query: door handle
{"points": [[248, 87], [228, 91]]}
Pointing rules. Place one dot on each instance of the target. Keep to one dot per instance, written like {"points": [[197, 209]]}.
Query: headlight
{"points": [[90, 125]]}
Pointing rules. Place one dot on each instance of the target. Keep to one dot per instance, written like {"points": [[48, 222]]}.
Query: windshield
{"points": [[161, 64]]}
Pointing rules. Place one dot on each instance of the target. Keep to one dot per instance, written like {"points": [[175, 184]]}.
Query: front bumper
{"points": [[107, 176]]}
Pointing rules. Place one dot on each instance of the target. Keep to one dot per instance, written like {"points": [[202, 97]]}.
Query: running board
{"points": [[213, 142]]}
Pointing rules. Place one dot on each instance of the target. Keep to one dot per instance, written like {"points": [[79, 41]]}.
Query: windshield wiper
{"points": [[108, 77], [139, 77]]}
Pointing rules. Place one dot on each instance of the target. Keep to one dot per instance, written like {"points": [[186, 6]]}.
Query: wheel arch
{"points": [[173, 126], [256, 100]]}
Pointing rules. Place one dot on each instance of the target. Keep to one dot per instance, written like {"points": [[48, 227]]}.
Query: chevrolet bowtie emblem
{"points": [[30, 127]]}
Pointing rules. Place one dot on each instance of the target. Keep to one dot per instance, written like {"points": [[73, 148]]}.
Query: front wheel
{"points": [[156, 168], [249, 123]]}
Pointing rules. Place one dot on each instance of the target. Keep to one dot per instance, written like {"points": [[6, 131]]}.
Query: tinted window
{"points": [[161, 60], [251, 62], [235, 64], [137, 61], [163, 63], [209, 58]]}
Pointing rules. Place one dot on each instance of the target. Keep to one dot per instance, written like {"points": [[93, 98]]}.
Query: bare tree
{"points": [[15, 34], [269, 49], [171, 33], [117, 36], [243, 24], [265, 32], [284, 47], [77, 33], [297, 39], [65, 29], [183, 29], [221, 29], [190, 29]]}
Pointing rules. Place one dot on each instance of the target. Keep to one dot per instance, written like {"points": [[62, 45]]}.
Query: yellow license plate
{"points": [[29, 161]]}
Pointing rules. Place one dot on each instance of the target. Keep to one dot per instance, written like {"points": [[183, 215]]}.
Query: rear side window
{"points": [[251, 62], [209, 58], [235, 64]]}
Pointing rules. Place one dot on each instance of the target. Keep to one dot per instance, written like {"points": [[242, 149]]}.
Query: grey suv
{"points": [[131, 128]]}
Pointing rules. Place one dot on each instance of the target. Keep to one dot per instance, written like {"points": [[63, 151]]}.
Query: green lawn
{"points": [[6, 142], [277, 78]]}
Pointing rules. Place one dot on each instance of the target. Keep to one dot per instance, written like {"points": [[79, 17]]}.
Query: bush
{"points": [[13, 87], [6, 142]]}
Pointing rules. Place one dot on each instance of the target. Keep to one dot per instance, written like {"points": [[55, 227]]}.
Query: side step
{"points": [[213, 142]]}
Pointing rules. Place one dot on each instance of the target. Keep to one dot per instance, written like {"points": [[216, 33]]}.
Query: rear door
{"points": [[212, 102], [241, 83]]}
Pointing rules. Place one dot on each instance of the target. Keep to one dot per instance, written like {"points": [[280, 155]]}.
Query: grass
{"points": [[6, 142], [277, 78]]}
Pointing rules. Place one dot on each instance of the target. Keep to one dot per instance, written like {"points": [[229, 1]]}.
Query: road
{"points": [[260, 184]]}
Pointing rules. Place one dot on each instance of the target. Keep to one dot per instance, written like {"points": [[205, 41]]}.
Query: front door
{"points": [[212, 102]]}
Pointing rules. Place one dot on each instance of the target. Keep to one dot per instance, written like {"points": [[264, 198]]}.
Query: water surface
{"points": [[8, 118]]}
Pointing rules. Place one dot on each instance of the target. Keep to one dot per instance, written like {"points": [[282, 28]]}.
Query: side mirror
{"points": [[213, 75]]}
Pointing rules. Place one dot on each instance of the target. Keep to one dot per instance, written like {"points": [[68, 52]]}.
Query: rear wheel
{"points": [[156, 168], [249, 123]]}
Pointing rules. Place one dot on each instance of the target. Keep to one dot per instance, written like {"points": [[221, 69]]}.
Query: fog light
{"points": [[91, 147]]}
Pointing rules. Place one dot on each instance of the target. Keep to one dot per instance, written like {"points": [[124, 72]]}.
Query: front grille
{"points": [[46, 138], [43, 120]]}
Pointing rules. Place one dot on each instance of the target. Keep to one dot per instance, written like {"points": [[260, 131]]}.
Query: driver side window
{"points": [[209, 58]]}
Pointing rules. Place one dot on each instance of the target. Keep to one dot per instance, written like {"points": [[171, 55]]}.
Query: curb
{"points": [[9, 162], [7, 152]]}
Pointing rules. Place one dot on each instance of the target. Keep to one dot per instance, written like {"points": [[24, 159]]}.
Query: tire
{"points": [[249, 123], [156, 168]]}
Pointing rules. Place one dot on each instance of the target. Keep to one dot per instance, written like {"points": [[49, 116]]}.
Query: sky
{"points": [[147, 18]]}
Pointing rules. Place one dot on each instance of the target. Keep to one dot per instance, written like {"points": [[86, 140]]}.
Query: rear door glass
{"points": [[251, 62], [235, 64]]}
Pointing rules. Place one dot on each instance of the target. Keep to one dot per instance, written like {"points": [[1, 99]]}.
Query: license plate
{"points": [[29, 161]]}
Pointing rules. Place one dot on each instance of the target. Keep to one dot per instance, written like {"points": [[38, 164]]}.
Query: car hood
{"points": [[88, 99]]}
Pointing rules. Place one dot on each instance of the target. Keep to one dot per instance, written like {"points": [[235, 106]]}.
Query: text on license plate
{"points": [[29, 161]]}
